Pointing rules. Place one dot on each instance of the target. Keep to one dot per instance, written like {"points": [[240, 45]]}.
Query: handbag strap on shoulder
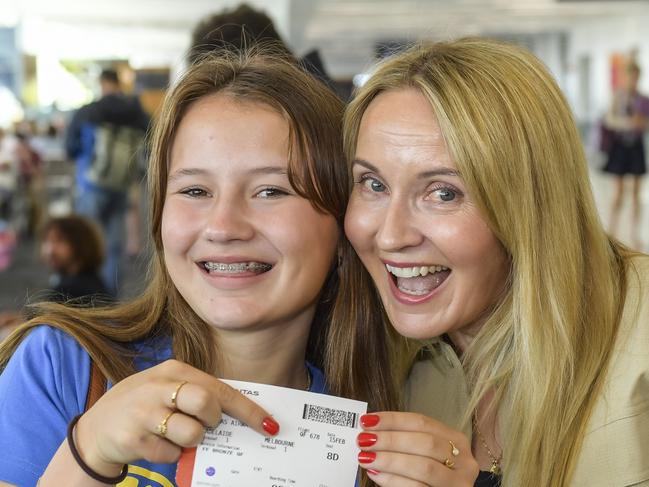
{"points": [[97, 385]]}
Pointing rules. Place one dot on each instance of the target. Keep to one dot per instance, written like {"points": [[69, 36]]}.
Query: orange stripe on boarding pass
{"points": [[185, 468]]}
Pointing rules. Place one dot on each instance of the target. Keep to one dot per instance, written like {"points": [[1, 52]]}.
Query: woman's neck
{"points": [[461, 339], [272, 355]]}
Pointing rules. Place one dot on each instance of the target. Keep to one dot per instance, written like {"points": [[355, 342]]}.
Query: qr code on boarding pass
{"points": [[326, 415]]}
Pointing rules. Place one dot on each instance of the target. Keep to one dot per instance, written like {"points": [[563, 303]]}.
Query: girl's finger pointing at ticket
{"points": [[239, 406]]}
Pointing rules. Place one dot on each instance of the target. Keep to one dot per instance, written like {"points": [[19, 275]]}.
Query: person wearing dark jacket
{"points": [[73, 249], [104, 138]]}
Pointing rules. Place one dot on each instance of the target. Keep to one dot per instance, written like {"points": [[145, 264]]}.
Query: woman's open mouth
{"points": [[418, 280]]}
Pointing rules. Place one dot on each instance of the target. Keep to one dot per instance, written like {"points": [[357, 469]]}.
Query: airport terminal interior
{"points": [[52, 53], [324, 243]]}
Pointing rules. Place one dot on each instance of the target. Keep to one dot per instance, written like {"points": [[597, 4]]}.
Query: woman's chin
{"points": [[420, 327]]}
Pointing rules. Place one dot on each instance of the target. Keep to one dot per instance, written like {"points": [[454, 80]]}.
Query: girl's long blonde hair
{"points": [[546, 347]]}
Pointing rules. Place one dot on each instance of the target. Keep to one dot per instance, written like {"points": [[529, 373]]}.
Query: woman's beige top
{"points": [[615, 451]]}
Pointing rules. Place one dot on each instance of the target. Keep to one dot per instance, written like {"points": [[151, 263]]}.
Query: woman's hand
{"points": [[412, 450], [128, 422]]}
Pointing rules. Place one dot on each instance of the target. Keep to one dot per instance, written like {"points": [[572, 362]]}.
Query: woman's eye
{"points": [[271, 193], [372, 184], [445, 194]]}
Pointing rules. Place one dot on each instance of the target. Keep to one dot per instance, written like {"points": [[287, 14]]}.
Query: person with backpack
{"points": [[104, 138]]}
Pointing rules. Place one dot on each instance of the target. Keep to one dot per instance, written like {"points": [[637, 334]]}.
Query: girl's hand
{"points": [[128, 422], [412, 450]]}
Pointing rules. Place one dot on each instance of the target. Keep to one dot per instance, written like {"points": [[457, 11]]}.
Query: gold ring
{"points": [[454, 451], [174, 396], [449, 463], [161, 429]]}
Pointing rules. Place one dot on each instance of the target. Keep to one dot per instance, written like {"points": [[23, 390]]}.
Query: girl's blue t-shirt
{"points": [[45, 385]]}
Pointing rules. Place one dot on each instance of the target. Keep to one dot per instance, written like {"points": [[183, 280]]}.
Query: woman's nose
{"points": [[397, 230]]}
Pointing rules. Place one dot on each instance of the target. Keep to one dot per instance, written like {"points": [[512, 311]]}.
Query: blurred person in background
{"points": [[30, 183], [8, 185], [7, 244], [234, 29], [105, 137], [48, 142], [626, 122], [73, 249], [8, 174], [242, 27]]}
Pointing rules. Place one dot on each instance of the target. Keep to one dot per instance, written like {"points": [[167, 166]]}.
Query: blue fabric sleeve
{"points": [[43, 387]]}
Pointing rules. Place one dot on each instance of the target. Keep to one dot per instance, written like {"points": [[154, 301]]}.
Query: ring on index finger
{"points": [[174, 396]]}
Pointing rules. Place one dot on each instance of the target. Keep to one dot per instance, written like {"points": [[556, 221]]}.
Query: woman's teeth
{"points": [[415, 271], [237, 267]]}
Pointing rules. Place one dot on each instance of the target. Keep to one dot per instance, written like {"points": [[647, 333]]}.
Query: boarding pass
{"points": [[315, 447]]}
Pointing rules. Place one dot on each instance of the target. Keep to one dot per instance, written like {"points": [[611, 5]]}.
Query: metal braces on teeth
{"points": [[252, 266]]}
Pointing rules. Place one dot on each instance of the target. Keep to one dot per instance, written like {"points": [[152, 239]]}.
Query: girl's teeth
{"points": [[237, 267], [415, 271]]}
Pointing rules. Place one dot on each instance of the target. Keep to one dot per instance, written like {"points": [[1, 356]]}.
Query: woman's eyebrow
{"points": [[440, 171], [365, 164]]}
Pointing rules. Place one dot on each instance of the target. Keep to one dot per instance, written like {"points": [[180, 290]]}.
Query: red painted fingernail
{"points": [[270, 426], [366, 457], [372, 472], [369, 420], [366, 439]]}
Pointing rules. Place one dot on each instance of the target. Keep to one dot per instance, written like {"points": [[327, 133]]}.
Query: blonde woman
{"points": [[246, 182], [472, 211]]}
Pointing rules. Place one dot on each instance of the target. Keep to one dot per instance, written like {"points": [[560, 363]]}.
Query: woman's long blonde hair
{"points": [[546, 347], [316, 170]]}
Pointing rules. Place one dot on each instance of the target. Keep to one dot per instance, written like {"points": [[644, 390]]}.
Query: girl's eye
{"points": [[372, 184], [271, 193], [194, 192]]}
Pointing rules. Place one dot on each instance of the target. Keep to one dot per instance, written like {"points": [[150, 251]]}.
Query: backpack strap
{"points": [[97, 385]]}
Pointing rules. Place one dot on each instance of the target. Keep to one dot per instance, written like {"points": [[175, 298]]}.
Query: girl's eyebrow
{"points": [[440, 171], [195, 171], [186, 172], [281, 170]]}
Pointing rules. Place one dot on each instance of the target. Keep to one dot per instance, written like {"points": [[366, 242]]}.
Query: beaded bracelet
{"points": [[90, 472]]}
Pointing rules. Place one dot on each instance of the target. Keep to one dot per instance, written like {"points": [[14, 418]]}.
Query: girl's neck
{"points": [[273, 355]]}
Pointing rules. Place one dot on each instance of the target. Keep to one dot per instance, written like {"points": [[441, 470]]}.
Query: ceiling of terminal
{"points": [[346, 31], [330, 16]]}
